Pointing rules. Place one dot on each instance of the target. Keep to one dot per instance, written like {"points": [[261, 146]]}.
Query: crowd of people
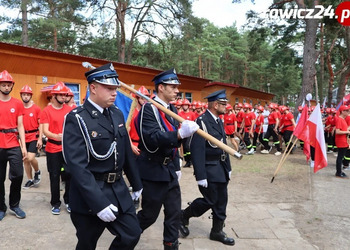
{"points": [[90, 148]]}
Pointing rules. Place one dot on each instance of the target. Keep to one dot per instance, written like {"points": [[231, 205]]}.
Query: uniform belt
{"points": [[10, 130], [164, 160], [54, 142], [31, 131], [221, 157], [230, 124], [108, 177]]}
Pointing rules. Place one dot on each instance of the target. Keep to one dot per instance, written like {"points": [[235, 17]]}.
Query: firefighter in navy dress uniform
{"points": [[159, 159], [212, 170], [97, 149]]}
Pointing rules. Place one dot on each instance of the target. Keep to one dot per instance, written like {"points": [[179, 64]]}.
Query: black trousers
{"points": [[54, 163], [186, 148], [255, 139], [287, 134], [154, 195], [214, 198], [247, 140], [14, 157], [341, 154], [271, 132], [89, 228]]}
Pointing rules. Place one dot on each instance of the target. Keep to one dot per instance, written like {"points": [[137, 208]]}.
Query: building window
{"points": [[76, 91], [179, 95], [237, 100], [188, 96]]}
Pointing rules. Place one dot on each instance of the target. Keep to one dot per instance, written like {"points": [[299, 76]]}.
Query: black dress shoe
{"points": [[184, 225], [221, 236], [342, 175]]}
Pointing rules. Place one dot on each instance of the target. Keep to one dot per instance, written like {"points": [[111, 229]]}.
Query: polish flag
{"points": [[301, 132], [316, 138]]}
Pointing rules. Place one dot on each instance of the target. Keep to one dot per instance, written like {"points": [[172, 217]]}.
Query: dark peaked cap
{"points": [[219, 95], [167, 77], [105, 74]]}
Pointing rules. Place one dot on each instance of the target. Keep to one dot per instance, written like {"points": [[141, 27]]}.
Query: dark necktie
{"points": [[106, 114]]}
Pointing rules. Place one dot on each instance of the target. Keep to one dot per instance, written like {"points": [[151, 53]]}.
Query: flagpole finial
{"points": [[308, 97]]}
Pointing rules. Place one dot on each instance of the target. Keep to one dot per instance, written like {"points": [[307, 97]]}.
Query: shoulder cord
{"points": [[206, 131], [85, 133], [156, 114]]}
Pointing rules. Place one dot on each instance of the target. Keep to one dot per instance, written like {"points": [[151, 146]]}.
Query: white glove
{"points": [[136, 195], [179, 174], [229, 175], [107, 214], [203, 183], [188, 128]]}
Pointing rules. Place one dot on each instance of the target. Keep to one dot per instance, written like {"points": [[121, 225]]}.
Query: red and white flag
{"points": [[301, 132], [315, 134]]}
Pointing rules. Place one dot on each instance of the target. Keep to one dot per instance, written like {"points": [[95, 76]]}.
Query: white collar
{"points": [[214, 116], [98, 107], [161, 101]]}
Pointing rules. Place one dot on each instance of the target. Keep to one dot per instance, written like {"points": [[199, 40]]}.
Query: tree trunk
{"points": [[24, 10], [321, 80], [344, 76], [309, 59], [122, 5]]}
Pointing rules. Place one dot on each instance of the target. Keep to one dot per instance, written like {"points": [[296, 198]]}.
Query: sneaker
{"points": [[342, 175], [2, 215], [68, 208], [329, 151], [346, 168], [312, 164], [56, 210], [250, 152], [28, 184], [278, 153], [37, 177], [264, 151], [18, 212]]}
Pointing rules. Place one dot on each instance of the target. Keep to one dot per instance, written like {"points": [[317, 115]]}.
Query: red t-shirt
{"points": [[188, 115], [133, 132], [341, 140], [286, 120], [55, 119], [31, 117], [248, 118], [259, 122], [229, 123], [329, 121], [273, 116], [9, 113], [239, 116]]}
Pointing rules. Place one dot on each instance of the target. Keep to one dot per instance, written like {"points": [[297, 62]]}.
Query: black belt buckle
{"points": [[223, 157], [166, 161], [111, 178]]}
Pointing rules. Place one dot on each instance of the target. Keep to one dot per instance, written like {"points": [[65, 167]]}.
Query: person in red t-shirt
{"points": [[287, 126], [248, 122], [329, 130], [230, 125], [70, 99], [187, 115], [259, 122], [33, 134], [134, 137], [341, 139], [52, 118], [273, 121], [11, 150]]}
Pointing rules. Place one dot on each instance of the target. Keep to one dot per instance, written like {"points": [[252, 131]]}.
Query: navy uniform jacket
{"points": [[152, 137], [206, 158], [88, 195]]}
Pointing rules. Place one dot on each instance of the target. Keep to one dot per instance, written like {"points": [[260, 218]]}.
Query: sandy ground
{"points": [[313, 206]]}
